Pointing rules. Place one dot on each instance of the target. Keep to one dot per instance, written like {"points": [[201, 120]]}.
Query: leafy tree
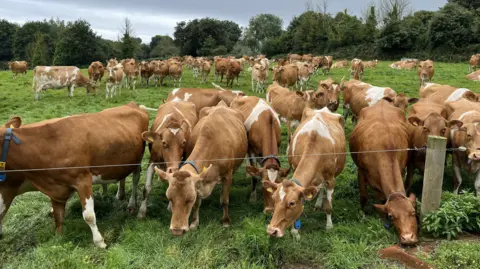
{"points": [[307, 33], [346, 30], [128, 41], [207, 47], [371, 25], [469, 4], [165, 48], [40, 51], [7, 31], [260, 28], [393, 37], [24, 39], [450, 28], [77, 45]]}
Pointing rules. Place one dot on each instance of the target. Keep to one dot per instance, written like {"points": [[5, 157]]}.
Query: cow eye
{"points": [[291, 204], [183, 143], [469, 136], [443, 131], [165, 145], [425, 129]]}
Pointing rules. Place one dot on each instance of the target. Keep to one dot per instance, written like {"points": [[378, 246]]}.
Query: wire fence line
{"points": [[229, 159]]}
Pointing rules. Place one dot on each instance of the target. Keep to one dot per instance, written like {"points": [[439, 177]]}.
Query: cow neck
{"points": [[269, 145], [306, 172], [190, 168]]}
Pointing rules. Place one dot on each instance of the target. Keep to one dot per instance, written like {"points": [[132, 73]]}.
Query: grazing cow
{"points": [[204, 97], [113, 138], [441, 94], [290, 105], [175, 71], [160, 71], [233, 71], [96, 71], [474, 62], [167, 141], [358, 95], [356, 70], [146, 71], [58, 77], [340, 64], [425, 71], [220, 68], [205, 67], [260, 76], [294, 57], [466, 134], [426, 118], [217, 147], [475, 76], [305, 70], [370, 64], [263, 130], [114, 80], [18, 67], [316, 153], [380, 132], [130, 70], [286, 75]]}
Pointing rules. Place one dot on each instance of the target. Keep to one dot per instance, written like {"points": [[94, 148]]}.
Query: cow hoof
{"points": [[295, 234], [226, 222], [253, 197], [141, 215], [329, 226], [50, 213], [101, 244], [194, 226]]}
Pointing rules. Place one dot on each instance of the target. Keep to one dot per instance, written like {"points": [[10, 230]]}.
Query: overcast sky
{"points": [[151, 17]]}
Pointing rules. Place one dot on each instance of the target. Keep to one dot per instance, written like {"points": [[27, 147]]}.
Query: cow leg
{"points": [[37, 94], [457, 179], [327, 203], [253, 193], [180, 82], [132, 204], [106, 92], [70, 91], [196, 214], [362, 184], [59, 215], [121, 190], [477, 183], [224, 199], [238, 83], [134, 83], [146, 192], [84, 190], [253, 88], [289, 130], [345, 113], [6, 197]]}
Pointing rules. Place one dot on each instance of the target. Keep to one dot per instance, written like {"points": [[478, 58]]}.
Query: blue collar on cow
{"points": [[6, 142], [270, 157], [192, 163], [298, 223], [296, 181]]}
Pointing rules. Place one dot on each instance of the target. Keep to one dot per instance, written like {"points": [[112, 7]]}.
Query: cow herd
{"points": [[200, 137]]}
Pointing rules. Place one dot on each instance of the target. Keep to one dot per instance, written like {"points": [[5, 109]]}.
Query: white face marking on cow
{"points": [[272, 174], [256, 111], [316, 124], [175, 91], [163, 121], [90, 219], [457, 95], [374, 94], [282, 193], [466, 114], [176, 100], [237, 92], [187, 96], [174, 130]]}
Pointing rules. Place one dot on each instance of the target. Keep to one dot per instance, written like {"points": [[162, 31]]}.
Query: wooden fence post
{"points": [[433, 176]]}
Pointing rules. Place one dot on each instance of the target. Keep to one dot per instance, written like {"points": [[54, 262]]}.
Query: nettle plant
{"points": [[457, 214]]}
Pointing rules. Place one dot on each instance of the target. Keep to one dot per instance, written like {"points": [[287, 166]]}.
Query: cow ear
{"points": [[150, 137], [300, 94], [412, 100], [254, 171], [470, 96], [415, 121], [413, 199], [386, 98], [309, 193], [382, 209], [269, 186], [14, 122], [163, 175], [455, 123]]}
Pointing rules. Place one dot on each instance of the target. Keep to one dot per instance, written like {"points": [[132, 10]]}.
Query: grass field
{"points": [[29, 240]]}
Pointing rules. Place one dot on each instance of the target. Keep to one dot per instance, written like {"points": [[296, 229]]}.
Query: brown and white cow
{"points": [[175, 71], [358, 95], [233, 71], [441, 94], [263, 130], [160, 71], [331, 92], [217, 147], [316, 153], [475, 76], [474, 62], [220, 68], [18, 67], [286, 75], [115, 77], [146, 71], [382, 134], [130, 70], [294, 57], [58, 77], [408, 65], [426, 71], [96, 71], [356, 70], [112, 62], [260, 76], [204, 97], [167, 141], [370, 64], [340, 64], [112, 139], [205, 67], [305, 71]]}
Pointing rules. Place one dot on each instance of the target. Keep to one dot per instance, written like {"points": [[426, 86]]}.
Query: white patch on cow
{"points": [[174, 130], [272, 174], [163, 121], [187, 96], [245, 97], [316, 124], [176, 99], [237, 92], [47, 69], [256, 111], [429, 84], [75, 71], [457, 95], [282, 193], [99, 180], [2, 207], [90, 219], [175, 91], [466, 114], [374, 94]]}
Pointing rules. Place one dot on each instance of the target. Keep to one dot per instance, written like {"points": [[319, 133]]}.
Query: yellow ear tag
{"points": [[11, 126], [270, 190], [204, 169], [309, 196], [150, 139]]}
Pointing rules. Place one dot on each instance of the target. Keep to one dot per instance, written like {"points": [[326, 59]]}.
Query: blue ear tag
{"points": [[298, 224], [387, 224]]}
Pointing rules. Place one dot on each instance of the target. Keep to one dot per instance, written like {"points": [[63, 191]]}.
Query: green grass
{"points": [[30, 242]]}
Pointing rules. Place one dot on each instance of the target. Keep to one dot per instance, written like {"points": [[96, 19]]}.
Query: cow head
{"points": [[311, 99], [273, 173], [10, 64], [184, 189], [401, 101], [467, 134], [401, 211], [228, 96], [14, 122], [433, 124], [168, 144], [288, 198], [425, 71], [331, 93]]}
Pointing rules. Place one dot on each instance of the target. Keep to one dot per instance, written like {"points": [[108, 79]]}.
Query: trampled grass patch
{"points": [[29, 240]]}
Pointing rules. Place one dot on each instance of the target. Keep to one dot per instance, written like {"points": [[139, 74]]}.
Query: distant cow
{"points": [[233, 71], [160, 71], [370, 64], [407, 64], [131, 71], [475, 76], [18, 67], [286, 75], [146, 71], [294, 57], [305, 70], [356, 71], [426, 71], [175, 71], [204, 97], [58, 77], [340, 64], [115, 78], [205, 67], [220, 68], [474, 62], [259, 75], [96, 71]]}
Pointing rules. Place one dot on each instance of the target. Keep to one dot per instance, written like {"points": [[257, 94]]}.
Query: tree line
{"points": [[386, 31]]}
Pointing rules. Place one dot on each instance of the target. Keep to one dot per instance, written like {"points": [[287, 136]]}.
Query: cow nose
{"points": [[408, 239], [274, 232], [178, 231]]}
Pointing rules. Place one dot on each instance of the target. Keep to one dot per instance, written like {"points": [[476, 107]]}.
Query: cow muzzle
{"points": [[475, 156], [333, 106], [178, 231], [274, 232], [408, 239]]}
